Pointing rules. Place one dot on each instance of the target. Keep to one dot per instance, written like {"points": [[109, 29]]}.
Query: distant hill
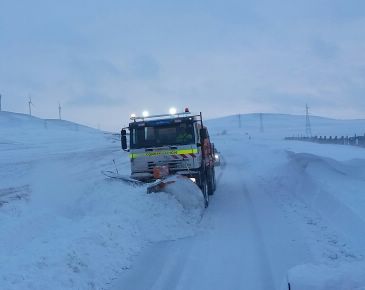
{"points": [[18, 130], [11, 120], [275, 125], [282, 125]]}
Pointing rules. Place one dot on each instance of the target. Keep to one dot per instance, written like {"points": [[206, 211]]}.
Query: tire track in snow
{"points": [[261, 248], [266, 276]]}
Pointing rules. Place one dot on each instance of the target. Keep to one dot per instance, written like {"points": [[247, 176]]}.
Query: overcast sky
{"points": [[103, 60]]}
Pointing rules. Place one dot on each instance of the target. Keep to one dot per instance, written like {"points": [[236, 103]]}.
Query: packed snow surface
{"points": [[284, 212]]}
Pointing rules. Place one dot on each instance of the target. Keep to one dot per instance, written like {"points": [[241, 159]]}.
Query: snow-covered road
{"points": [[242, 233], [227, 253]]}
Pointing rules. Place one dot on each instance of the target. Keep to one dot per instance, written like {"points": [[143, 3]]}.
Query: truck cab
{"points": [[178, 142]]}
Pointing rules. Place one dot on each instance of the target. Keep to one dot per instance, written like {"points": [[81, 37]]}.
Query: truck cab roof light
{"points": [[167, 116], [172, 111]]}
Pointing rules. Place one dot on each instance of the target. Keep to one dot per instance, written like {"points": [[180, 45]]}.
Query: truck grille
{"points": [[172, 165]]}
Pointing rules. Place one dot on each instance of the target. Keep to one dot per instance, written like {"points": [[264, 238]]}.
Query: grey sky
{"points": [[106, 59]]}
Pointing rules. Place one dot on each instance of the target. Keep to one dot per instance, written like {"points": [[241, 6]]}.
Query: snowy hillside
{"points": [[284, 211], [281, 125]]}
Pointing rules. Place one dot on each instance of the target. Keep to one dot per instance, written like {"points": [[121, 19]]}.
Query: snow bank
{"points": [[327, 195], [322, 277], [83, 244], [335, 188]]}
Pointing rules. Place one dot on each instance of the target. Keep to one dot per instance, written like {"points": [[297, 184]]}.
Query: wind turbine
{"points": [[30, 104], [59, 111]]}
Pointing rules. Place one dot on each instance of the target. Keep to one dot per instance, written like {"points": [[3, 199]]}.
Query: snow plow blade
{"points": [[124, 178], [181, 187], [159, 185], [169, 183]]}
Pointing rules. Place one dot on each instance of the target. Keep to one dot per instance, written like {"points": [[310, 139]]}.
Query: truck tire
{"points": [[205, 191], [202, 182], [214, 181], [211, 181]]}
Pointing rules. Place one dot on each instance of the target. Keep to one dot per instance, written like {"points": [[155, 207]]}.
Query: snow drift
{"points": [[186, 192], [322, 277]]}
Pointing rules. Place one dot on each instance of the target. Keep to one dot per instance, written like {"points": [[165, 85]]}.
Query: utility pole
{"points": [[261, 123], [308, 129], [239, 121], [0, 102], [59, 111]]}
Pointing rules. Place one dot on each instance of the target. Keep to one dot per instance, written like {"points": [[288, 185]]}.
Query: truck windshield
{"points": [[155, 136]]}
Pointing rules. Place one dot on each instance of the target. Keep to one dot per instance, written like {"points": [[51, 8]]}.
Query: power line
{"points": [[308, 128]]}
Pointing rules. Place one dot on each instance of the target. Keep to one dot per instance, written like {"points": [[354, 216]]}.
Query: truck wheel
{"points": [[210, 181], [205, 191], [214, 181], [202, 182]]}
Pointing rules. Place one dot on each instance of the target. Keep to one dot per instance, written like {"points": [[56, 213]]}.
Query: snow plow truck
{"points": [[172, 144]]}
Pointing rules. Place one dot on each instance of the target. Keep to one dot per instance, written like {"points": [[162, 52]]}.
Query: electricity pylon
{"points": [[308, 129]]}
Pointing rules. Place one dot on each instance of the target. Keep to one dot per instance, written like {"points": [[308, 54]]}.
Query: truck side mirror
{"points": [[123, 134], [203, 134]]}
